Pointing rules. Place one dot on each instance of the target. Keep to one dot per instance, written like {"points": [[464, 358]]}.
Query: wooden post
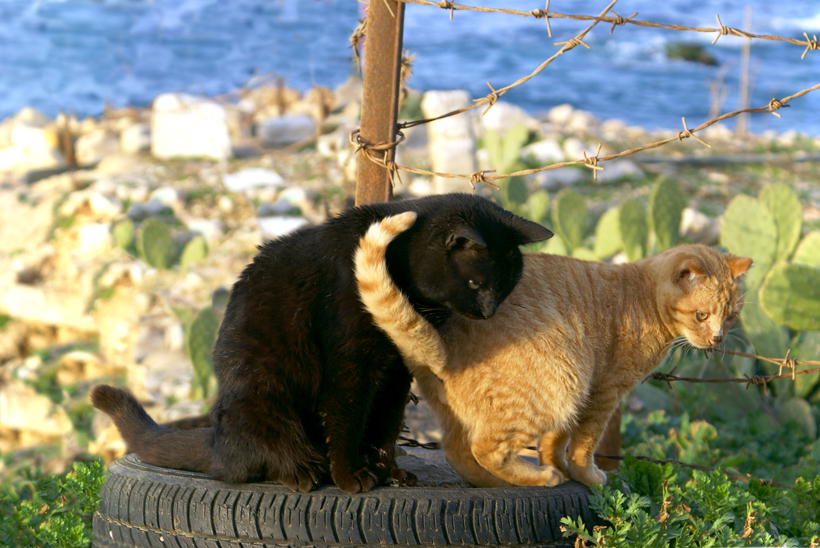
{"points": [[380, 96]]}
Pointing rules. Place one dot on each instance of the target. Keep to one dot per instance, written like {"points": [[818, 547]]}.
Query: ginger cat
{"points": [[551, 366]]}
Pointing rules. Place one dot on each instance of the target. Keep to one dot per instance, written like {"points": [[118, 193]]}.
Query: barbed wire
{"points": [[591, 162], [811, 44], [787, 362]]}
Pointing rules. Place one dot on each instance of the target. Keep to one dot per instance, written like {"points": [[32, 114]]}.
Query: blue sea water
{"points": [[78, 55]]}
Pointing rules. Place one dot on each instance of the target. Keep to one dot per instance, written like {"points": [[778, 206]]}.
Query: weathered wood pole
{"points": [[380, 95]]}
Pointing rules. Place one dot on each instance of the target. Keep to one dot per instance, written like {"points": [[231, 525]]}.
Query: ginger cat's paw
{"points": [[587, 475], [551, 476]]}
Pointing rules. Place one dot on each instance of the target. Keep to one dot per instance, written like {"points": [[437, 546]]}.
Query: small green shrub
{"points": [[54, 511]]}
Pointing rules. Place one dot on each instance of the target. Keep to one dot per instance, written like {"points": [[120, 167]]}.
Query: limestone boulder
{"points": [[29, 142], [183, 126], [281, 131], [451, 141], [503, 115], [136, 138], [92, 147], [24, 409]]}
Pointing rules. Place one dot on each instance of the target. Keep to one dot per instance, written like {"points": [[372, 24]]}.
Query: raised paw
{"points": [[360, 481]]}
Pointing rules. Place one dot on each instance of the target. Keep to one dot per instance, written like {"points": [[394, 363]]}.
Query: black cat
{"points": [[307, 384]]}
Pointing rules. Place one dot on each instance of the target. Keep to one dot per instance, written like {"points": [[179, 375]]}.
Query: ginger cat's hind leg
{"points": [[460, 457], [552, 451], [499, 455]]}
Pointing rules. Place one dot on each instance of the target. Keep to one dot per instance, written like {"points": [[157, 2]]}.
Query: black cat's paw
{"points": [[360, 481], [404, 478], [303, 480]]}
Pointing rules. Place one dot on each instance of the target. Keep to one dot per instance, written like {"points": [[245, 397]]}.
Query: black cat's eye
{"points": [[473, 285], [701, 316]]}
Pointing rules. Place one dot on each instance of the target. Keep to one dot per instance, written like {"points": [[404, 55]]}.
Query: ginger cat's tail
{"points": [[157, 445], [418, 341]]}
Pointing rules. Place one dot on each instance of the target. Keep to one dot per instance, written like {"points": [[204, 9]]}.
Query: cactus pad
{"points": [[200, 343], [666, 205], [791, 296], [766, 337], [633, 228], [154, 244], [195, 250], [569, 216], [808, 252], [123, 233], [784, 204], [749, 230], [608, 234], [538, 206]]}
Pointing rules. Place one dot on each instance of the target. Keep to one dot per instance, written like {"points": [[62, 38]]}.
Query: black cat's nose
{"points": [[487, 308]]}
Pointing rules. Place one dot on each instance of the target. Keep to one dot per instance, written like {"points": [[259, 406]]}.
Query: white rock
{"points": [[503, 115], [138, 212], [185, 126], [211, 229], [94, 238], [282, 131], [275, 227], [136, 138], [582, 122], [546, 151], [252, 177], [175, 337], [169, 197], [32, 148], [612, 129], [280, 207], [574, 149], [349, 92], [560, 114], [555, 179], [699, 227], [420, 186], [297, 196], [92, 147], [618, 169], [619, 258], [22, 408], [451, 143], [104, 207]]}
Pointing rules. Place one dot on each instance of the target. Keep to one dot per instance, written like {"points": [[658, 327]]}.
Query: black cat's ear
{"points": [[464, 237], [530, 232]]}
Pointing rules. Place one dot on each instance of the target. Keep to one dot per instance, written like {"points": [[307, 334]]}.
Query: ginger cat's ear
{"points": [[688, 270], [738, 265]]}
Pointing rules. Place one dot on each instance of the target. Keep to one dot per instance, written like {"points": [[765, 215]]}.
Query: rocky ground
{"points": [[80, 303]]}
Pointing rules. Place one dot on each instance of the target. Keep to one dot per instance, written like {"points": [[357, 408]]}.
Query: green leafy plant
{"points": [[660, 506], [154, 244], [195, 250], [44, 510], [201, 337]]}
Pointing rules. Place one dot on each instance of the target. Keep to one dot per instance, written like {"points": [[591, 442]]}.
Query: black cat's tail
{"points": [[418, 341], [154, 444]]}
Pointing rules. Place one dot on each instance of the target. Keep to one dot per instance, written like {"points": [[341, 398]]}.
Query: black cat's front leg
{"points": [[384, 425], [345, 402]]}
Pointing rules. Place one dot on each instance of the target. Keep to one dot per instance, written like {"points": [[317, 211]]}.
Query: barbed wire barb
{"points": [[811, 45], [620, 21], [689, 133]]}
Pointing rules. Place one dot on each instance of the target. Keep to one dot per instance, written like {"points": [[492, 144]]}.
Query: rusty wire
{"points": [[811, 44], [787, 362], [591, 162]]}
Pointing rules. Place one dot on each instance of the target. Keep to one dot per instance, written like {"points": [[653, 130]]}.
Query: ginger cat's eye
{"points": [[701, 316], [473, 285]]}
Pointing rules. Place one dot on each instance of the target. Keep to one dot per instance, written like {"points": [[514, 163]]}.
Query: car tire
{"points": [[145, 506]]}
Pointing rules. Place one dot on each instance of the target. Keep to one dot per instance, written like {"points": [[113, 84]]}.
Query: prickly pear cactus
{"points": [[200, 343], [784, 204], [555, 246], [666, 204], [633, 228], [123, 233], [749, 230], [766, 337], [807, 347], [195, 250], [608, 234], [538, 206], [791, 296], [808, 252], [799, 411], [584, 254], [569, 217], [154, 244]]}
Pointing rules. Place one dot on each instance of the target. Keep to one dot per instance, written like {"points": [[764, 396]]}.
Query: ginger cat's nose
{"points": [[717, 339]]}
